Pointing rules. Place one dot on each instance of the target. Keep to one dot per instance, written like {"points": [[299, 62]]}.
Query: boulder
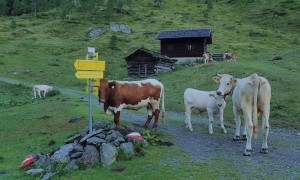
{"points": [[90, 156], [108, 154], [62, 155]]}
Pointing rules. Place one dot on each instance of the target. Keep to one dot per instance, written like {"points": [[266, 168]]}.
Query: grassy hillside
{"points": [[43, 49]]}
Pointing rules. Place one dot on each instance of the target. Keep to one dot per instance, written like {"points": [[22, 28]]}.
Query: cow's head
{"points": [[103, 90], [220, 100], [227, 83]]}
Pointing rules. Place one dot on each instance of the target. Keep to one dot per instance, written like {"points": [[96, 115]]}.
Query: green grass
{"points": [[29, 53]]}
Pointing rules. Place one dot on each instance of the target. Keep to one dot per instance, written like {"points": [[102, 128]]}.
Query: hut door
{"points": [[143, 69]]}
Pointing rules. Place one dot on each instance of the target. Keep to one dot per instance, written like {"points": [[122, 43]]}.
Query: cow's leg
{"points": [[249, 127], [44, 93], [117, 119], [150, 115], [210, 120], [39, 93], [244, 133], [265, 129], [237, 118], [156, 115], [34, 93], [188, 112], [221, 113]]}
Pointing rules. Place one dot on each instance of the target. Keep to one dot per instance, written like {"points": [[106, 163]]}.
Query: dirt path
{"points": [[282, 162]]}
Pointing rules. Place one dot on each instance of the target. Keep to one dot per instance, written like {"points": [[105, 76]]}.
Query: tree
{"points": [[2, 7], [13, 25]]}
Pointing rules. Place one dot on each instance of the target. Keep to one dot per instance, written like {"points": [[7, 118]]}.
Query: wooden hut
{"points": [[185, 43], [144, 63]]}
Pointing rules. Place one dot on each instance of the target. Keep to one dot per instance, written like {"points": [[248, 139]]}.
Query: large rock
{"points": [[108, 154], [127, 149], [120, 28], [34, 172], [43, 161], [90, 156], [95, 32], [62, 155]]}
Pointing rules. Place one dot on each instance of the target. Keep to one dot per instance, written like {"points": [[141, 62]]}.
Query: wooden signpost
{"points": [[90, 69]]}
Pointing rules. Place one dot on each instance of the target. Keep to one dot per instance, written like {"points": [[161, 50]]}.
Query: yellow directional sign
{"points": [[95, 83], [94, 91], [89, 65], [89, 74], [94, 56]]}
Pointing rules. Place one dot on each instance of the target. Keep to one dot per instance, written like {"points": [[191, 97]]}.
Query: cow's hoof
{"points": [[264, 151], [224, 131], [154, 127], [247, 152], [211, 132], [244, 137], [236, 138]]}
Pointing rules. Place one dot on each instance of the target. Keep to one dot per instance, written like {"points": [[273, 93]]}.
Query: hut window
{"points": [[170, 47], [143, 69]]}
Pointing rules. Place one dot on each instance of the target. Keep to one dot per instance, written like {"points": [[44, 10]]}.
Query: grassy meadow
{"points": [[42, 50]]}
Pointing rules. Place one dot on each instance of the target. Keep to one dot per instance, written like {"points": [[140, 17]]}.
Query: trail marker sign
{"points": [[89, 74], [90, 69], [90, 65]]}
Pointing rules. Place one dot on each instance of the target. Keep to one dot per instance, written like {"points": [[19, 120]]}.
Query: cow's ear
{"points": [[234, 81], [216, 79], [112, 84], [212, 95]]}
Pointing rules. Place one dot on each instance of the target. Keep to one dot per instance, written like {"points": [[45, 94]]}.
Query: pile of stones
{"points": [[101, 147]]}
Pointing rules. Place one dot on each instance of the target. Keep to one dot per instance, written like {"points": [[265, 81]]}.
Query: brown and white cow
{"points": [[118, 95], [207, 57], [229, 56], [250, 95]]}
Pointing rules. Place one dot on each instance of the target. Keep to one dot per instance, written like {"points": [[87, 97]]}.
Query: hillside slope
{"points": [[43, 49]]}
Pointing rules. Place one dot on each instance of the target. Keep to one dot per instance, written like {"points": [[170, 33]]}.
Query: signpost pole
{"points": [[91, 50], [90, 107]]}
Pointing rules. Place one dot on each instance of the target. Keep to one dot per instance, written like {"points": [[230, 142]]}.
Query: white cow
{"points": [[250, 95], [41, 88], [203, 101]]}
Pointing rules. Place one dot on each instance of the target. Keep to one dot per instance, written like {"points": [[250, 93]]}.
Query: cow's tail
{"points": [[163, 114], [255, 79]]}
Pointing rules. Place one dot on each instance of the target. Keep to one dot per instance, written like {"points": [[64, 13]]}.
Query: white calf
{"points": [[204, 101], [41, 88]]}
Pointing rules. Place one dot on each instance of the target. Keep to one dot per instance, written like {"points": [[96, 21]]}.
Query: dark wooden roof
{"points": [[155, 55], [185, 33]]}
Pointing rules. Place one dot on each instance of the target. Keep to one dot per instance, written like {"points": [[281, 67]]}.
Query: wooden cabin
{"points": [[184, 44], [144, 63]]}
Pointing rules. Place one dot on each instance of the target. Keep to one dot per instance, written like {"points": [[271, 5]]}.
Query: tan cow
{"points": [[229, 56], [207, 57], [250, 95]]}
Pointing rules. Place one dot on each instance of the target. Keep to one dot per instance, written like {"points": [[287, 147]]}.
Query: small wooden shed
{"points": [[184, 43], [144, 63]]}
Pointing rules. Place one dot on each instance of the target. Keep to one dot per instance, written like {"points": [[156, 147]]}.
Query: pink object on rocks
{"points": [[28, 160], [135, 135]]}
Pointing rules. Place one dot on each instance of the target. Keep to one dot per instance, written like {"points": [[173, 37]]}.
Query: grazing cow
{"points": [[41, 88], [250, 95], [118, 95], [207, 57], [229, 56], [203, 101]]}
